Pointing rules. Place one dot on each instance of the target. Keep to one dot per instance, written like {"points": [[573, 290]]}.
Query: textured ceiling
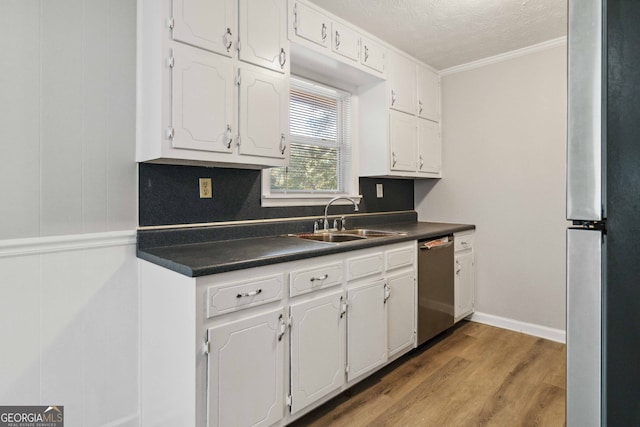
{"points": [[446, 33]]}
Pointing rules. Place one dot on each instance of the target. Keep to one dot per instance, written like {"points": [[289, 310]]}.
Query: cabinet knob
{"points": [[337, 39], [366, 53], [283, 57], [420, 107], [324, 32], [421, 161], [393, 97], [394, 159]]}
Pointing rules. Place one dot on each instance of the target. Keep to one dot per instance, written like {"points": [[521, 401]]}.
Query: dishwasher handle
{"points": [[437, 246]]}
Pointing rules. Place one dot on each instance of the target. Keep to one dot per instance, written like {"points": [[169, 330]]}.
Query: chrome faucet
{"points": [[326, 208]]}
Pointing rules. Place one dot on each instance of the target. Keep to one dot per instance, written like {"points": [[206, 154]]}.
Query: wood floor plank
{"points": [[476, 375]]}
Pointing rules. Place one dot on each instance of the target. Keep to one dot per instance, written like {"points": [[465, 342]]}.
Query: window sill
{"points": [[270, 201]]}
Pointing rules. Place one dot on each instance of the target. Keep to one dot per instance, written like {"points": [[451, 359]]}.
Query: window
{"points": [[320, 148]]}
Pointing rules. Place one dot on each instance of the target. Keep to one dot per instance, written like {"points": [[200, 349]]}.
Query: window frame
{"points": [[350, 178]]}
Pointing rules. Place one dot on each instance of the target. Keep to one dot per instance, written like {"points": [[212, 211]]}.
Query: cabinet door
{"points": [[202, 100], [402, 83], [372, 55], [402, 141], [428, 94], [401, 313], [263, 115], [246, 376], [429, 146], [208, 24], [318, 348], [263, 33], [345, 41], [311, 25], [366, 328], [464, 284]]}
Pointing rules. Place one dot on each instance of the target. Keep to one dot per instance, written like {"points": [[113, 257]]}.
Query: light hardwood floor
{"points": [[477, 375]]}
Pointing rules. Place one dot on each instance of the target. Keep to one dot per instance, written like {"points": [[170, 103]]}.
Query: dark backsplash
{"points": [[169, 194]]}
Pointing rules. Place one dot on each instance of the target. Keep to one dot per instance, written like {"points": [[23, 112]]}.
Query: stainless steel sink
{"points": [[364, 232], [346, 235], [328, 237]]}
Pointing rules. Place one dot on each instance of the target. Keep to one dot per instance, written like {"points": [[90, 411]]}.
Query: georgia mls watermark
{"points": [[31, 416]]}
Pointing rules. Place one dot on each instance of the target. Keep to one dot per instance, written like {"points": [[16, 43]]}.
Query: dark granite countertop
{"points": [[204, 258]]}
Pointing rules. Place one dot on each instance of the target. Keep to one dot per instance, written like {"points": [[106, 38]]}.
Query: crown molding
{"points": [[549, 44]]}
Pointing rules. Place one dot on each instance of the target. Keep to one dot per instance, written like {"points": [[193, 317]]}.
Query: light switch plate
{"points": [[379, 193], [205, 188]]}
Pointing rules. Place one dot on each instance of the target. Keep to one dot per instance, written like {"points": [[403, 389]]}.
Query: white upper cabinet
{"points": [[401, 83], [345, 41], [263, 33], [428, 94], [196, 99], [263, 116], [208, 24], [372, 55], [311, 24], [202, 101], [429, 147]]}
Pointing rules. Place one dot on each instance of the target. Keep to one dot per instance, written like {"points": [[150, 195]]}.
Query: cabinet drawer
{"points": [[230, 297], [364, 266], [311, 279], [463, 241], [402, 257]]}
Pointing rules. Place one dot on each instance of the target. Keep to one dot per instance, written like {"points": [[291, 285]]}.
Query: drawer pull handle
{"points": [[320, 278], [249, 294]]}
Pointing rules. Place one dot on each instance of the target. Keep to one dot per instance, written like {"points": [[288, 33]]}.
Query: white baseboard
{"points": [[557, 335]]}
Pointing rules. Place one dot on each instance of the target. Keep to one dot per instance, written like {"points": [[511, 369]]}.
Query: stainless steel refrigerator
{"points": [[603, 201]]}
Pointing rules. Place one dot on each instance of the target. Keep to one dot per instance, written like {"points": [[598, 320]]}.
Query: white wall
{"points": [[68, 271], [503, 138]]}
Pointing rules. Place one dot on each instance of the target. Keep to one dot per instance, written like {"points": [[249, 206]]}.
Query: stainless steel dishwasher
{"points": [[435, 287]]}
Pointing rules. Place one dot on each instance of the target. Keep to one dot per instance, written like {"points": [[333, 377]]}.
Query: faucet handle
{"points": [[343, 222]]}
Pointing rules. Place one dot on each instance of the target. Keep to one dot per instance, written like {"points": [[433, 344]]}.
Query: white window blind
{"points": [[320, 151]]}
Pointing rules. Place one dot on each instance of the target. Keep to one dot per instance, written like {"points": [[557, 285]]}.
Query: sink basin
{"points": [[329, 237], [345, 235], [364, 232]]}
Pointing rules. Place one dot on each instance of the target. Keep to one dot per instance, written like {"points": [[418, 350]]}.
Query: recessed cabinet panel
{"points": [[202, 100], [263, 116], [229, 297], [402, 257], [402, 137], [401, 313], [208, 24], [311, 24], [429, 146], [366, 328], [246, 362], [372, 55], [345, 41], [428, 94], [364, 266], [318, 277], [318, 350], [263, 33]]}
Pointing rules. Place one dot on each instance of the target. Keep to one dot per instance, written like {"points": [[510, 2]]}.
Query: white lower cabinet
{"points": [[367, 329], [264, 346], [245, 370], [318, 338], [400, 316], [464, 280]]}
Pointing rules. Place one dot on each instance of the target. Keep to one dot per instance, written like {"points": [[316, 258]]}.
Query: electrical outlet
{"points": [[379, 193], [205, 188]]}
